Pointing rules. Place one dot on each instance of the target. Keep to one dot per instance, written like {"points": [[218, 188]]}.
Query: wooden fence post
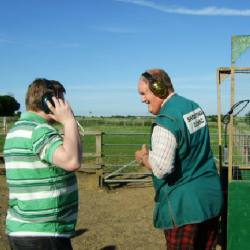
{"points": [[99, 160], [5, 124]]}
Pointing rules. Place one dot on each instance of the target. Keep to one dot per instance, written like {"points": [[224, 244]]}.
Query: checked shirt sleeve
{"points": [[162, 156]]}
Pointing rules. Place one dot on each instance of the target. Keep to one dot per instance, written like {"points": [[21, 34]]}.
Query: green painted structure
{"points": [[239, 45], [238, 237], [235, 177]]}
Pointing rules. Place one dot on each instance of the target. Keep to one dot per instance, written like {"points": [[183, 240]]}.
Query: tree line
{"points": [[9, 105]]}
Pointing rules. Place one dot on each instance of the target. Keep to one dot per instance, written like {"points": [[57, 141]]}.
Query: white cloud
{"points": [[70, 45], [208, 11], [195, 79], [48, 43], [5, 41], [195, 83], [195, 87], [101, 87], [115, 29]]}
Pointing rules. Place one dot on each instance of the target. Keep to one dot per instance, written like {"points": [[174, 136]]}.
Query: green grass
{"points": [[127, 152], [89, 142]]}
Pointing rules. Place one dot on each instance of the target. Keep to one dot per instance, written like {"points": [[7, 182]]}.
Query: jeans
{"points": [[39, 243]]}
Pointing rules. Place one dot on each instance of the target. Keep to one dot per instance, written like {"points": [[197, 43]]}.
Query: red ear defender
{"points": [[157, 87]]}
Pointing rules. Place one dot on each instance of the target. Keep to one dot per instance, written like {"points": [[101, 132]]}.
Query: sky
{"points": [[98, 49]]}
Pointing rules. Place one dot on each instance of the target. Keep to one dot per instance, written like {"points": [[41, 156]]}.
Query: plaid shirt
{"points": [[164, 145]]}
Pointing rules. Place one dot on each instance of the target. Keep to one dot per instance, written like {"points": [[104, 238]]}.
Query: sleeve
{"points": [[46, 140], [162, 156]]}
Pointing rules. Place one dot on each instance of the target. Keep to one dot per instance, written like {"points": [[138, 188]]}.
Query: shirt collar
{"points": [[33, 117], [172, 94]]}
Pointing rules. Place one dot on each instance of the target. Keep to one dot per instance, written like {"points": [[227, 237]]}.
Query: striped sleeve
{"points": [[46, 140]]}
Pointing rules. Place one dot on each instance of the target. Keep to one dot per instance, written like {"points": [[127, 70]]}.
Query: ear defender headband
{"points": [[48, 96], [157, 87]]}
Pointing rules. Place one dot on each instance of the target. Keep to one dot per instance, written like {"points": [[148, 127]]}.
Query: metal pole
{"points": [[118, 170]]}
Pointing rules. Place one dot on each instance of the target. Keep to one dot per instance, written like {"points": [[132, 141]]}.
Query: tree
{"points": [[8, 105]]}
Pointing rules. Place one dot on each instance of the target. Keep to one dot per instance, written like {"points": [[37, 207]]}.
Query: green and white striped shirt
{"points": [[43, 198]]}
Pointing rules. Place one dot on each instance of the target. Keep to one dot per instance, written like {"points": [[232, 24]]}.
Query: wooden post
{"points": [[219, 106], [99, 160], [5, 124], [230, 160]]}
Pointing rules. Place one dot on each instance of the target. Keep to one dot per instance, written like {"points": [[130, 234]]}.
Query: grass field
{"points": [[117, 148]]}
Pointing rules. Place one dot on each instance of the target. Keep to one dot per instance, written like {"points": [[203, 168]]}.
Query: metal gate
{"points": [[123, 172], [126, 170]]}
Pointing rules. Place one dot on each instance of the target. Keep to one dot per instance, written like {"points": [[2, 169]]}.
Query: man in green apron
{"points": [[188, 196]]}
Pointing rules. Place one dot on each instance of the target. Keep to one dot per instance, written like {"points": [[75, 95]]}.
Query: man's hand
{"points": [[139, 155], [68, 155], [62, 112]]}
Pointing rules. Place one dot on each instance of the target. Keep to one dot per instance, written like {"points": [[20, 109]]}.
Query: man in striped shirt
{"points": [[188, 192], [40, 165]]}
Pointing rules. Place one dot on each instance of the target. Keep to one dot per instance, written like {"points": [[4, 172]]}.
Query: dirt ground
{"points": [[116, 219]]}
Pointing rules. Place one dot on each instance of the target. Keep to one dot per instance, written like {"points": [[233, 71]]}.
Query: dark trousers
{"points": [[39, 243]]}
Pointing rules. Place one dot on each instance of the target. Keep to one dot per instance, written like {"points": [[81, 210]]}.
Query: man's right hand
{"points": [[62, 112], [68, 155]]}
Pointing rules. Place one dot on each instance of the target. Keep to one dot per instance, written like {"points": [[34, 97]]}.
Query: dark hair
{"points": [[37, 89]]}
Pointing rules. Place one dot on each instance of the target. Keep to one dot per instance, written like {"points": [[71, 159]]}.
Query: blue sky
{"points": [[98, 48]]}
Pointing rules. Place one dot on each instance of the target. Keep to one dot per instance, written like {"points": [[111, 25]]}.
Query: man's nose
{"points": [[143, 99]]}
